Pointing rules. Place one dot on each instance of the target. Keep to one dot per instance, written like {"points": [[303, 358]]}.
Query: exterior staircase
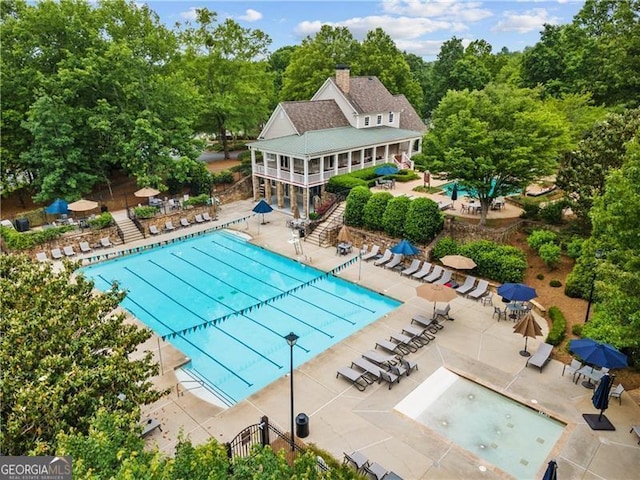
{"points": [[130, 232], [320, 235]]}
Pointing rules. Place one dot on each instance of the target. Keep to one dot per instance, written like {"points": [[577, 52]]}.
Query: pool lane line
{"points": [[206, 354], [232, 310], [197, 315], [237, 312], [322, 275]]}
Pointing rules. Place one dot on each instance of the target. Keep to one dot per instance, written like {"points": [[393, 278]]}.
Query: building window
{"points": [[366, 121], [390, 117], [379, 120], [284, 162]]}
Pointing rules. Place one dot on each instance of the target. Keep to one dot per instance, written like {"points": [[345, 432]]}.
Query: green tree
{"points": [[616, 223], [395, 215], [424, 221], [315, 60], [374, 210], [64, 354], [278, 63], [235, 85], [493, 139], [355, 205], [451, 52], [583, 171]]}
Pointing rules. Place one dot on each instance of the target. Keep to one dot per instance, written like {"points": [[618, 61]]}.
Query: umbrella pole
{"points": [[524, 352], [434, 311]]}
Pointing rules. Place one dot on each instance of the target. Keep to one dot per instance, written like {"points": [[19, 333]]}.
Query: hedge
{"points": [[15, 240], [145, 212], [374, 210], [558, 327], [354, 208], [101, 221], [395, 215]]}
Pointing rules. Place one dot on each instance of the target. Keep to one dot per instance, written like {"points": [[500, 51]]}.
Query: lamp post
{"points": [[291, 339], [599, 255]]}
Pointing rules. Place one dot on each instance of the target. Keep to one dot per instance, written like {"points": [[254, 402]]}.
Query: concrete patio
{"points": [[342, 419]]}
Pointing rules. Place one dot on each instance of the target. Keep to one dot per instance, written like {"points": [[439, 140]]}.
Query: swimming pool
{"points": [[509, 435], [448, 188], [180, 289]]}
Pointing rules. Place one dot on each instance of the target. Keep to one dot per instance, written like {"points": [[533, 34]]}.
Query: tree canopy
{"points": [[494, 139]]}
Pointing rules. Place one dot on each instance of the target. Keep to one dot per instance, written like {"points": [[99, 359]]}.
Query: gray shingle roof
{"points": [[368, 94], [316, 115], [323, 142], [409, 119]]}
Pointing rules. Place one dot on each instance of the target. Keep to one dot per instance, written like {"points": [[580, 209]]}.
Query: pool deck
{"points": [[342, 419]]}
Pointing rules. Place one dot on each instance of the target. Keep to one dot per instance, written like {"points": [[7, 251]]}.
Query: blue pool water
{"points": [[187, 284], [508, 434], [448, 188]]}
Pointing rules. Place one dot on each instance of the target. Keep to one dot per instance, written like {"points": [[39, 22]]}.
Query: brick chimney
{"points": [[342, 77]]}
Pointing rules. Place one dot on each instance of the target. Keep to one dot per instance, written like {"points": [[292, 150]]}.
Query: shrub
{"points": [[197, 200], [574, 247], [354, 207], [558, 326], [395, 215], [555, 283], [550, 254], [529, 210], [552, 212], [314, 215], [445, 246], [15, 240], [145, 212], [374, 210], [225, 176], [103, 220], [501, 263], [537, 238], [424, 221], [540, 276], [344, 183], [576, 329]]}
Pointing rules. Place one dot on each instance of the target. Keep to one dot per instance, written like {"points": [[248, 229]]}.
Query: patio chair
{"points": [[411, 269], [388, 254], [149, 426], [372, 253], [68, 251], [479, 291], [500, 313], [487, 299], [364, 248], [423, 272], [56, 254], [354, 376], [392, 347], [153, 230], [85, 247], [395, 261], [199, 218], [105, 242], [356, 460], [184, 222], [541, 357], [389, 377], [42, 257], [435, 274], [408, 365], [617, 393], [444, 312], [445, 278], [467, 286], [572, 368], [636, 429], [168, 226], [206, 217]]}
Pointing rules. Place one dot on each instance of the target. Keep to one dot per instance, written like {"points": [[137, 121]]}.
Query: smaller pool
{"points": [[508, 434], [462, 192]]}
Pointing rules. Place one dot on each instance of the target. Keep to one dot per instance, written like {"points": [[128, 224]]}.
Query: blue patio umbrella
{"points": [[58, 207], [454, 193], [600, 398], [386, 170], [598, 354], [551, 473], [263, 207], [518, 292], [405, 247]]}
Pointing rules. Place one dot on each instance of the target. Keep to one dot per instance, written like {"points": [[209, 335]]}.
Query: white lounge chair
{"points": [[199, 218], [395, 261], [423, 272], [56, 254], [105, 242], [168, 226], [206, 217], [467, 286], [149, 426], [42, 256], [411, 269], [69, 251], [435, 274], [372, 253], [445, 278], [541, 357], [85, 247], [153, 230], [617, 392], [480, 290], [364, 248], [388, 254], [184, 222]]}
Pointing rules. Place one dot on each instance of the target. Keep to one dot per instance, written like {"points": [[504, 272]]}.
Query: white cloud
{"points": [[524, 22], [465, 11], [251, 15], [190, 14]]}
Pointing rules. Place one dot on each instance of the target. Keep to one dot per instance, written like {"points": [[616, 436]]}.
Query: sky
{"points": [[416, 26]]}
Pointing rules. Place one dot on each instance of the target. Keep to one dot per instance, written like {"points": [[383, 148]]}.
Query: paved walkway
{"points": [[343, 419]]}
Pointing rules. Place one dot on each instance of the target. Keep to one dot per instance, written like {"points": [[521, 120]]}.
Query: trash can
{"points": [[302, 425], [22, 224]]}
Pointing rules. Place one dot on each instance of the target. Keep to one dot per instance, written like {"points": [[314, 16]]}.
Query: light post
{"points": [[291, 339], [599, 255]]}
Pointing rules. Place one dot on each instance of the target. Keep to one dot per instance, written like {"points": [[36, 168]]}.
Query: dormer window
{"points": [[379, 120], [366, 121], [390, 117]]}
